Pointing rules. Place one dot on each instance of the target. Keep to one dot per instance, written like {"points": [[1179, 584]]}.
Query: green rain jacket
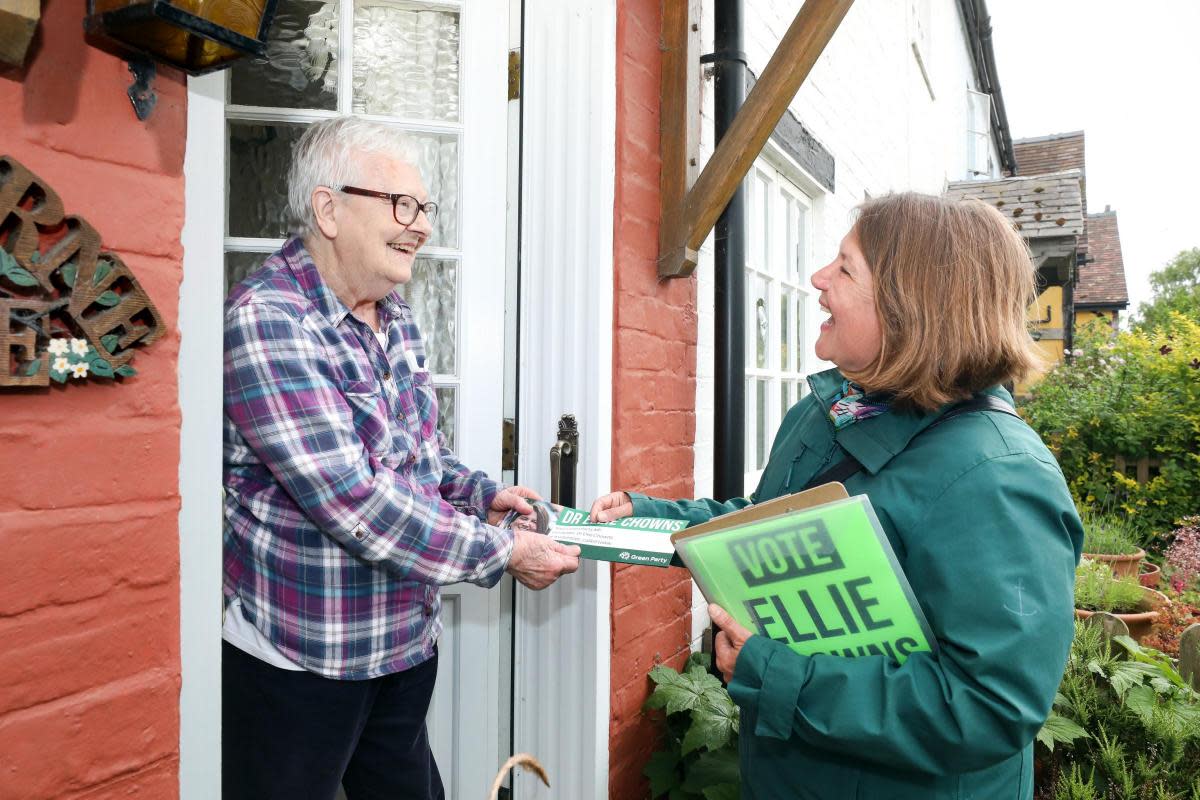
{"points": [[981, 521]]}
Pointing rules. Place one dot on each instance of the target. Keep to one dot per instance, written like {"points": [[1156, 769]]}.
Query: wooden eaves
{"points": [[690, 204]]}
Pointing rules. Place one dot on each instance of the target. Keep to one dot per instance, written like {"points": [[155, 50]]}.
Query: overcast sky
{"points": [[1128, 75]]}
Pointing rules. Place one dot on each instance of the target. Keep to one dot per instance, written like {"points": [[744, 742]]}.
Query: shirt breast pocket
{"points": [[369, 410]]}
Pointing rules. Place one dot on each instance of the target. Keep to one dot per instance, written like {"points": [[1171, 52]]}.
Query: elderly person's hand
{"points": [[511, 499], [611, 507], [538, 561], [729, 641]]}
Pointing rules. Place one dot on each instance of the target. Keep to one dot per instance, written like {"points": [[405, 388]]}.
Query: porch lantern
{"points": [[197, 36]]}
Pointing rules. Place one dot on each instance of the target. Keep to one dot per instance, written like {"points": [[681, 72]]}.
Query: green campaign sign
{"points": [[821, 580]]}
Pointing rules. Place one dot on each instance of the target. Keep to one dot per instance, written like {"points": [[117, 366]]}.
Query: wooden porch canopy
{"points": [[690, 204]]}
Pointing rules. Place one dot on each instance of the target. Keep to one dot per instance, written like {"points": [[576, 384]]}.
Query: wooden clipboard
{"points": [[816, 496]]}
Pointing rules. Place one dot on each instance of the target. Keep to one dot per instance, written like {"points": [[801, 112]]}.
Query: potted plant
{"points": [[1111, 539], [1097, 589], [1150, 575]]}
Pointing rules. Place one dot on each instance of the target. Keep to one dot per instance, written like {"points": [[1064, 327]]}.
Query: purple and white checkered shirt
{"points": [[344, 509]]}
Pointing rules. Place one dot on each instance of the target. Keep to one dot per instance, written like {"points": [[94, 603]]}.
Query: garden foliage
{"points": [[1097, 589], [1134, 394], [1124, 725], [699, 759]]}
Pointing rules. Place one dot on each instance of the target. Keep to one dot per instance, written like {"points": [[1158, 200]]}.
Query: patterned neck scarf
{"points": [[853, 404]]}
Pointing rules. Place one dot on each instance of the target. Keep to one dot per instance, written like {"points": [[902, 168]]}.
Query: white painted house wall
{"points": [[868, 103]]}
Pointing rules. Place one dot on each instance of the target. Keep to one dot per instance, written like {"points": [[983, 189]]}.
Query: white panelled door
{"points": [[439, 71]]}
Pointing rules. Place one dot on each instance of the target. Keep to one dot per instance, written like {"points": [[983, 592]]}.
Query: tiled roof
{"points": [[1102, 279], [1058, 152], [1039, 206]]}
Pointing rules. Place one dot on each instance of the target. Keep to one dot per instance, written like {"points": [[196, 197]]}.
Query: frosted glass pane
{"points": [[785, 327], [259, 158], [761, 321], [239, 265], [300, 70], [760, 426], [785, 388], [260, 155], [447, 414], [432, 294], [405, 60], [798, 322], [760, 231], [437, 160], [799, 253]]}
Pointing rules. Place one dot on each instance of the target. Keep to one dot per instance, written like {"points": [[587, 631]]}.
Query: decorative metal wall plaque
{"points": [[68, 309]]}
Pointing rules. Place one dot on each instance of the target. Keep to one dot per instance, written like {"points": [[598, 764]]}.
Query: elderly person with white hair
{"points": [[344, 509]]}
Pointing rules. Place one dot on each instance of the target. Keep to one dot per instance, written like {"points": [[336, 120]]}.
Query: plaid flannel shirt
{"points": [[344, 509]]}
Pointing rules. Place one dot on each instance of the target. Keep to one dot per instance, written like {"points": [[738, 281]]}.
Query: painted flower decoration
{"points": [[61, 364], [59, 347], [79, 370], [79, 347]]}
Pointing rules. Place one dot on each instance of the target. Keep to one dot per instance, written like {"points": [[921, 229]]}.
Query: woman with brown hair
{"points": [[926, 300]]}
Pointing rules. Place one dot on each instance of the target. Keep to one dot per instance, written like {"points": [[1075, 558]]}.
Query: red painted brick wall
{"points": [[89, 503], [654, 399]]}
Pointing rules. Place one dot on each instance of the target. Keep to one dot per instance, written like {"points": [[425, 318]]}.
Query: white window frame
{"points": [[768, 242], [979, 135]]}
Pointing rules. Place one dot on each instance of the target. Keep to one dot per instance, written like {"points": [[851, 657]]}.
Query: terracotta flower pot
{"points": [[1150, 575], [1139, 622], [1120, 565]]}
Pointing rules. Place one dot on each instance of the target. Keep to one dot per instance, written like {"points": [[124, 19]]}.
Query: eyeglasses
{"points": [[405, 207]]}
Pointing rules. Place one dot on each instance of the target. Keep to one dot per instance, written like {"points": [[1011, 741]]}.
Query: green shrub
{"points": [[1124, 725], [1135, 394], [1097, 589], [699, 759], [1108, 534]]}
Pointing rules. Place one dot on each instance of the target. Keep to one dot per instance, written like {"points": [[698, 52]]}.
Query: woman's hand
{"points": [[611, 506], [729, 641]]}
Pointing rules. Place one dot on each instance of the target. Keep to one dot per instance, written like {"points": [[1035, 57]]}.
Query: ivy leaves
{"points": [[14, 272], [700, 759]]}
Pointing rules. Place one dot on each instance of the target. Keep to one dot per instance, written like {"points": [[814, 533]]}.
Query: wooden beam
{"points": [[679, 113], [18, 21], [793, 60]]}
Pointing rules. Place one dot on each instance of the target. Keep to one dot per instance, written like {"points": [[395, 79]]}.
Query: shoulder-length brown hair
{"points": [[953, 280]]}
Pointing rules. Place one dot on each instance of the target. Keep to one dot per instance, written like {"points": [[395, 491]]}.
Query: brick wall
{"points": [[89, 587], [654, 395]]}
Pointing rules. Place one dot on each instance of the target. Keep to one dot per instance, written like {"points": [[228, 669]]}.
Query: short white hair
{"points": [[326, 155]]}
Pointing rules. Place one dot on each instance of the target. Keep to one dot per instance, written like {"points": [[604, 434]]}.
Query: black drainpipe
{"points": [[729, 435]]}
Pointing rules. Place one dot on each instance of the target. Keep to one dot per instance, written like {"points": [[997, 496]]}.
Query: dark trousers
{"points": [[296, 735]]}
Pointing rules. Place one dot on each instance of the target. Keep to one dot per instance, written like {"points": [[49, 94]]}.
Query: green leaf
{"points": [[100, 367], [69, 272], [32, 367], [698, 660], [711, 769], [712, 728], [1058, 729], [61, 377], [672, 698], [102, 270], [723, 791], [110, 342], [20, 276], [7, 262], [126, 371], [662, 772], [1142, 701], [108, 299], [35, 257]]}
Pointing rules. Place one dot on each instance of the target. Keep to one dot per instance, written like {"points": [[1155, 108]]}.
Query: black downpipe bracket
{"points": [[729, 435]]}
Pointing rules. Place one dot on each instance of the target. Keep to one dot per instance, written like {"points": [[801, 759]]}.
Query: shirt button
{"points": [[360, 533], [387, 376], [429, 611]]}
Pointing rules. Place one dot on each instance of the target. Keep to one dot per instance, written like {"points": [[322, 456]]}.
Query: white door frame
{"points": [[201, 300], [561, 681]]}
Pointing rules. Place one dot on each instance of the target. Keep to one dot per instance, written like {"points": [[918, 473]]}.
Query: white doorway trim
{"points": [[201, 299], [563, 641]]}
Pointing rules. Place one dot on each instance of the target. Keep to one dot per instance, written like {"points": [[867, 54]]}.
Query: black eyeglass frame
{"points": [[429, 207]]}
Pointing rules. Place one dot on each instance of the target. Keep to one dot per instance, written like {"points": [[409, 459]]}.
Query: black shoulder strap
{"points": [[850, 465]]}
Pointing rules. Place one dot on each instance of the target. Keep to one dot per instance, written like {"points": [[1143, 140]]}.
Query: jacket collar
{"points": [[314, 287], [875, 441]]}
